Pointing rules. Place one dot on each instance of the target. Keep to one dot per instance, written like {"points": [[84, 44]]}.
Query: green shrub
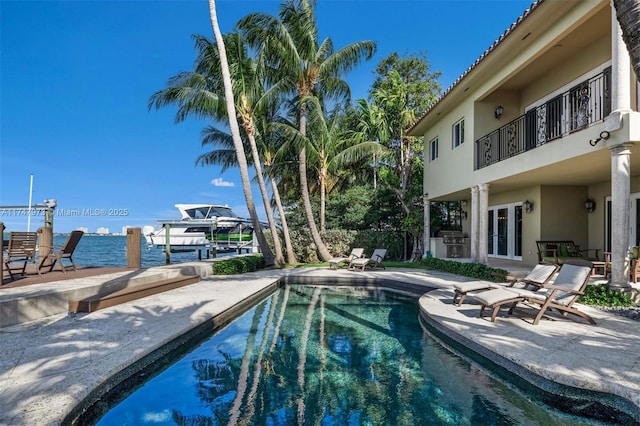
{"points": [[602, 295], [473, 270], [238, 265], [340, 242]]}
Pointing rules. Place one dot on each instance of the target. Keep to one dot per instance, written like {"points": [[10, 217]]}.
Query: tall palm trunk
{"points": [[291, 257], [237, 141], [279, 259], [257, 367], [304, 189], [302, 356], [323, 199], [243, 377], [628, 14]]}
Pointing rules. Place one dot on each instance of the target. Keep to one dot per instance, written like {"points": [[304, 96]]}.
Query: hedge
{"points": [[238, 264]]}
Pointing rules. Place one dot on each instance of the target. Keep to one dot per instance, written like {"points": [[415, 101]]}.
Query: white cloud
{"points": [[221, 182]]}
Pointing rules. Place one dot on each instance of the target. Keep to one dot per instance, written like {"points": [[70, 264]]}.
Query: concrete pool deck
{"points": [[48, 366]]}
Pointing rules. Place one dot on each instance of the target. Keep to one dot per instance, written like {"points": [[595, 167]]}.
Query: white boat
{"points": [[202, 225]]}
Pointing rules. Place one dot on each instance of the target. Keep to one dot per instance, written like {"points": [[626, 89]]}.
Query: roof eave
{"points": [[419, 127]]}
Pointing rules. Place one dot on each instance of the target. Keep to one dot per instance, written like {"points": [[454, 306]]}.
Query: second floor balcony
{"points": [[584, 104]]}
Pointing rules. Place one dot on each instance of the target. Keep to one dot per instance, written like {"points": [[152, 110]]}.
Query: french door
{"points": [[505, 231]]}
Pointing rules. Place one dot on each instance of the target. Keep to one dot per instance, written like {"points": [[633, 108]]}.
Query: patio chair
{"points": [[539, 277], [634, 267], [21, 248], [356, 253], [375, 261], [65, 252], [560, 295]]}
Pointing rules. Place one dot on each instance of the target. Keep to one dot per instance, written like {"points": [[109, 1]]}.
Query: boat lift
{"points": [[212, 246], [47, 208]]}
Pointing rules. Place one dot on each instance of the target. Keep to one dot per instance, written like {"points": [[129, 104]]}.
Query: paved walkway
{"points": [[49, 366]]}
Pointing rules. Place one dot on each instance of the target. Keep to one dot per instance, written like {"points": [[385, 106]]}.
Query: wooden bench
{"points": [[559, 251], [105, 300], [21, 247]]}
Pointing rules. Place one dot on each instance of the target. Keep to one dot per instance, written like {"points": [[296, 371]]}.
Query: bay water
{"points": [[111, 250]]}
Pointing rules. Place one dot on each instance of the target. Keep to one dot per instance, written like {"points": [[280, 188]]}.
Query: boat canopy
{"points": [[204, 211]]}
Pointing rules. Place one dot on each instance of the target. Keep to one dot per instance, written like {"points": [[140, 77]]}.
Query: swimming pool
{"points": [[326, 355]]}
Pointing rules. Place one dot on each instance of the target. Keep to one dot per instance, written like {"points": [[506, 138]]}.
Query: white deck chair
{"points": [[375, 261], [539, 277], [356, 253], [559, 295]]}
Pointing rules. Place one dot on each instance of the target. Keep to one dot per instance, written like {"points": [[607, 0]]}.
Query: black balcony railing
{"points": [[584, 104]]}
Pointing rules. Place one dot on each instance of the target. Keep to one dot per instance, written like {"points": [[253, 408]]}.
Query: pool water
{"points": [[327, 356]]}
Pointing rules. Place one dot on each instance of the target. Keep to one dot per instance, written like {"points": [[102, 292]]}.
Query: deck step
{"points": [[105, 300]]}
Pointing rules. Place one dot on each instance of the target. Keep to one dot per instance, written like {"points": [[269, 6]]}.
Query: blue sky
{"points": [[76, 77]]}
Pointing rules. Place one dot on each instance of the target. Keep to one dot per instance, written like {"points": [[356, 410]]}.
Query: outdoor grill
{"points": [[454, 240]]}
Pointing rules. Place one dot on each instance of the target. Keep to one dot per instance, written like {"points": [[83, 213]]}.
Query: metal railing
{"points": [[576, 109]]}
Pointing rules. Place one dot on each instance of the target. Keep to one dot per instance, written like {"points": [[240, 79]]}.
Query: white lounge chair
{"points": [[560, 295], [375, 261], [356, 253], [537, 278]]}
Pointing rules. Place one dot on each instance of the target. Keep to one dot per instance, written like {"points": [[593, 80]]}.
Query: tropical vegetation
{"points": [[333, 164], [628, 14]]}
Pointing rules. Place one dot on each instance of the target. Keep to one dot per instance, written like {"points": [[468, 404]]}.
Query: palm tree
{"points": [[303, 67], [628, 14], [398, 116], [201, 93], [223, 154], [269, 148], [371, 125], [235, 133], [249, 91], [330, 148]]}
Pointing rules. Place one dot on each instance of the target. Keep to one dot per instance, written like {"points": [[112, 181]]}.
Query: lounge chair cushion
{"points": [[461, 289], [499, 295], [539, 275], [474, 286]]}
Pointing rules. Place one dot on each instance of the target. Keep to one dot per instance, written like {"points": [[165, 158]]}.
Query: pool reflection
{"points": [[331, 356]]}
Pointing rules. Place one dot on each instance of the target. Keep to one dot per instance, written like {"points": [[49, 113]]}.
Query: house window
{"points": [[433, 149], [458, 133]]}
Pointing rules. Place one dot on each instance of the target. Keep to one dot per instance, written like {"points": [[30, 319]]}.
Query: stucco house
{"points": [[540, 139]]}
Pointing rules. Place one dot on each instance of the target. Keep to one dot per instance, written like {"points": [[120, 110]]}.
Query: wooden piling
{"points": [[45, 244], [134, 249]]}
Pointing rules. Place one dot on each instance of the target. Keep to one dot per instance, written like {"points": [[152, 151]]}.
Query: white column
{"points": [[475, 215], [620, 68], [483, 225], [620, 191], [427, 227]]}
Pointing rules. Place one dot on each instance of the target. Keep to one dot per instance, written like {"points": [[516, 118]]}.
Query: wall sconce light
{"points": [[604, 135], [528, 206], [499, 111], [463, 215], [590, 205]]}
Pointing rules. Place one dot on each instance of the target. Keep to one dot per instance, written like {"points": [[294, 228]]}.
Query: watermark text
{"points": [[88, 212]]}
